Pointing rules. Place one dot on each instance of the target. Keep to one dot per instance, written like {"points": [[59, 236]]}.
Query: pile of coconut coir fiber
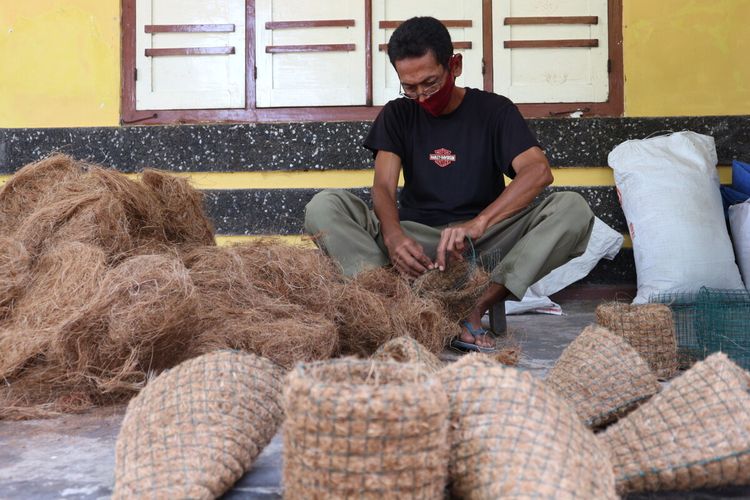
{"points": [[105, 281]]}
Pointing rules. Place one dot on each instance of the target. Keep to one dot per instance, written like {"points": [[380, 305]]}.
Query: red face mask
{"points": [[437, 102]]}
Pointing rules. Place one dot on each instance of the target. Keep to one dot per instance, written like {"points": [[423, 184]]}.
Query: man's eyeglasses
{"points": [[425, 93]]}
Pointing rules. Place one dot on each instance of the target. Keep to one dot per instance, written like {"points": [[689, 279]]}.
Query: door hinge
{"points": [[483, 67], [135, 74], [609, 65], [255, 72]]}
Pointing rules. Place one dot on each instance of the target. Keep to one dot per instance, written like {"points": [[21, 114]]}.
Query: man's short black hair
{"points": [[418, 35]]}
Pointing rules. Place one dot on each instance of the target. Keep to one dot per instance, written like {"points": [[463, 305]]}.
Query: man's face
{"points": [[420, 76]]}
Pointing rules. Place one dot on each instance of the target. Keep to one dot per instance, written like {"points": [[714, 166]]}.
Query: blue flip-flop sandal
{"points": [[459, 344]]}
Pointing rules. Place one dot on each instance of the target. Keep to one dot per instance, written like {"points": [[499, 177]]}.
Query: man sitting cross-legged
{"points": [[454, 146]]}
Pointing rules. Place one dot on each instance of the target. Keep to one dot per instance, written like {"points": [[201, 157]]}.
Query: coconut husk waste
{"points": [[107, 280]]}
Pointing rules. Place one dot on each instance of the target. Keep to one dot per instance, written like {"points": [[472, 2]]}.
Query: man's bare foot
{"points": [[494, 293], [480, 340]]}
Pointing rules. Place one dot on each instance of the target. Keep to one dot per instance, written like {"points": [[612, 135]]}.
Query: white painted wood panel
{"points": [[310, 78], [194, 81], [534, 75], [386, 85]]}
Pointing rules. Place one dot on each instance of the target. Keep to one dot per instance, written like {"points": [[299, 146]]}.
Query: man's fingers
{"points": [[451, 246], [414, 265], [412, 260], [443, 248], [421, 257], [416, 252], [409, 258]]}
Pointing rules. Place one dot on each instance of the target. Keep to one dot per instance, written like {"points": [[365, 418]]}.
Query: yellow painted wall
{"points": [[686, 57], [59, 63], [60, 60]]}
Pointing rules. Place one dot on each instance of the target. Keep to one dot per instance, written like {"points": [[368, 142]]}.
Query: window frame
{"points": [[614, 106]]}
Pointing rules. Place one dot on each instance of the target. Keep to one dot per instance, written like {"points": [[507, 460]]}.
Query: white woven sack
{"points": [[739, 221], [604, 243], [669, 191]]}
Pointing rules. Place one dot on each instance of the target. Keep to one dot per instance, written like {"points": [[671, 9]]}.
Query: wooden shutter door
{"points": [[310, 53], [464, 22], [190, 54], [550, 51]]}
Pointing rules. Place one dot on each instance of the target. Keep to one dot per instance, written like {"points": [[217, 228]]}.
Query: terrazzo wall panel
{"points": [[329, 145]]}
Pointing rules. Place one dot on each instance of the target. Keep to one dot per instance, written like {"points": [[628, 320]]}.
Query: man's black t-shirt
{"points": [[453, 164]]}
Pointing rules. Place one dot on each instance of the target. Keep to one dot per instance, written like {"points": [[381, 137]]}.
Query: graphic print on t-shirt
{"points": [[442, 157]]}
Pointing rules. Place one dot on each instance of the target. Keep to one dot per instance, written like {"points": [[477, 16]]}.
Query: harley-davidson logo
{"points": [[442, 157]]}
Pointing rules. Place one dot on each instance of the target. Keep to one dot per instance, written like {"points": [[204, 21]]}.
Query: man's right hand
{"points": [[407, 255]]}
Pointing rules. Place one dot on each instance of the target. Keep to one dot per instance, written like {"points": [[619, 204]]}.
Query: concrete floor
{"points": [[72, 457]]}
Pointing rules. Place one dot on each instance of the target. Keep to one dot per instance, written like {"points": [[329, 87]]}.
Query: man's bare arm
{"points": [[533, 174], [406, 254]]}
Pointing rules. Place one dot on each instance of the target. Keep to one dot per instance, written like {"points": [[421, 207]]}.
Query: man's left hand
{"points": [[452, 240]]}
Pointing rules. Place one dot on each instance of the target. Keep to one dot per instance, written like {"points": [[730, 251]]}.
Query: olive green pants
{"points": [[517, 251]]}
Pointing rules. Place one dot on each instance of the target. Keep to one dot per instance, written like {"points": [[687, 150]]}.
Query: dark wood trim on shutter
{"points": [[550, 44], [250, 69], [189, 28], [368, 53], [190, 51], [128, 113], [331, 23], [293, 49], [514, 21], [487, 49]]}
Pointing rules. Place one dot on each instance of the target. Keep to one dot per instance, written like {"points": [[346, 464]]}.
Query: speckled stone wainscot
{"points": [[581, 142]]}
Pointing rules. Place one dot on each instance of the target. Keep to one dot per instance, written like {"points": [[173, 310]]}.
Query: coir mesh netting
{"points": [[197, 428], [512, 436], [602, 376], [694, 434], [364, 429], [648, 328]]}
